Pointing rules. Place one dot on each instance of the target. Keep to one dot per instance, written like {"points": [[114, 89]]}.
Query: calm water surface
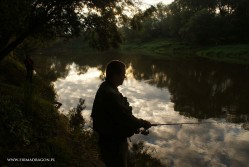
{"points": [[164, 91]]}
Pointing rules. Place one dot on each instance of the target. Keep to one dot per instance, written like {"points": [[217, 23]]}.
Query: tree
{"points": [[218, 21], [48, 19], [141, 27], [200, 28]]}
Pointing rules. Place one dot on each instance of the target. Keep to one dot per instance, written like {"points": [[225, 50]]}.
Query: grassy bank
{"points": [[170, 49], [31, 126], [160, 48], [237, 54]]}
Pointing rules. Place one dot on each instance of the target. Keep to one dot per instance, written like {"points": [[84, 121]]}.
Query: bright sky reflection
{"points": [[189, 146], [147, 3], [153, 2]]}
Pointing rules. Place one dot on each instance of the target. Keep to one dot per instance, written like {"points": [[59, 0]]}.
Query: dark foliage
{"points": [[44, 19], [197, 22], [141, 156], [76, 120]]}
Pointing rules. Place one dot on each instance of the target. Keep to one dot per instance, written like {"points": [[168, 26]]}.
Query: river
{"points": [[171, 91]]}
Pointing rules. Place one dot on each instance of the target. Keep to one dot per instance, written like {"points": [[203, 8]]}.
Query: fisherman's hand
{"points": [[145, 124], [137, 131], [145, 132]]}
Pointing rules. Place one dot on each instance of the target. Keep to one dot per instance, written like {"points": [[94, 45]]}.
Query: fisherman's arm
{"points": [[124, 116]]}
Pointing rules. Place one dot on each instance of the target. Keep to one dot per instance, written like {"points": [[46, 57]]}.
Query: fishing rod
{"points": [[184, 123], [146, 131]]}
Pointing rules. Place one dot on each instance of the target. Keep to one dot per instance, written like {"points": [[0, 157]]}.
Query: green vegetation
{"points": [[168, 49], [31, 127], [140, 156], [43, 20], [161, 30], [207, 22], [237, 54], [156, 46], [187, 27], [160, 48]]}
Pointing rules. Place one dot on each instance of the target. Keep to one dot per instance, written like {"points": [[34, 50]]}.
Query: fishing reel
{"points": [[144, 131]]}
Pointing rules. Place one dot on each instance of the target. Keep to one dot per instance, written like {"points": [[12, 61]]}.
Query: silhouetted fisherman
{"points": [[29, 64], [113, 119]]}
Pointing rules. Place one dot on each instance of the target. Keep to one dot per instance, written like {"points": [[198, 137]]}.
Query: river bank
{"points": [[163, 49], [170, 49], [32, 127]]}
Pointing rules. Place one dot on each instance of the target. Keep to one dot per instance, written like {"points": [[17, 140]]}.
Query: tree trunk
{"points": [[12, 46]]}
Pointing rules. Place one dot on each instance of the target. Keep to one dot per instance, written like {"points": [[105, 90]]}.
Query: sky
{"points": [[148, 3], [153, 2]]}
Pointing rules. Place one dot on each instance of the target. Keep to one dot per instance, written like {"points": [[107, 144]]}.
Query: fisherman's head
{"points": [[115, 72]]}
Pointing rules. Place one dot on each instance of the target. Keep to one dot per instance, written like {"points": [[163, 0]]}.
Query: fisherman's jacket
{"points": [[112, 114]]}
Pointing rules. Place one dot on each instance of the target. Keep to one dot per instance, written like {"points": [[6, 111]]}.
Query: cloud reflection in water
{"points": [[221, 144]]}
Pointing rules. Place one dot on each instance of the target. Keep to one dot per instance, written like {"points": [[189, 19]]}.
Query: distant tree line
{"points": [[195, 21]]}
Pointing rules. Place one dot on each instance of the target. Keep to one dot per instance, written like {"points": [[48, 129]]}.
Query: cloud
{"points": [[220, 144], [153, 2]]}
